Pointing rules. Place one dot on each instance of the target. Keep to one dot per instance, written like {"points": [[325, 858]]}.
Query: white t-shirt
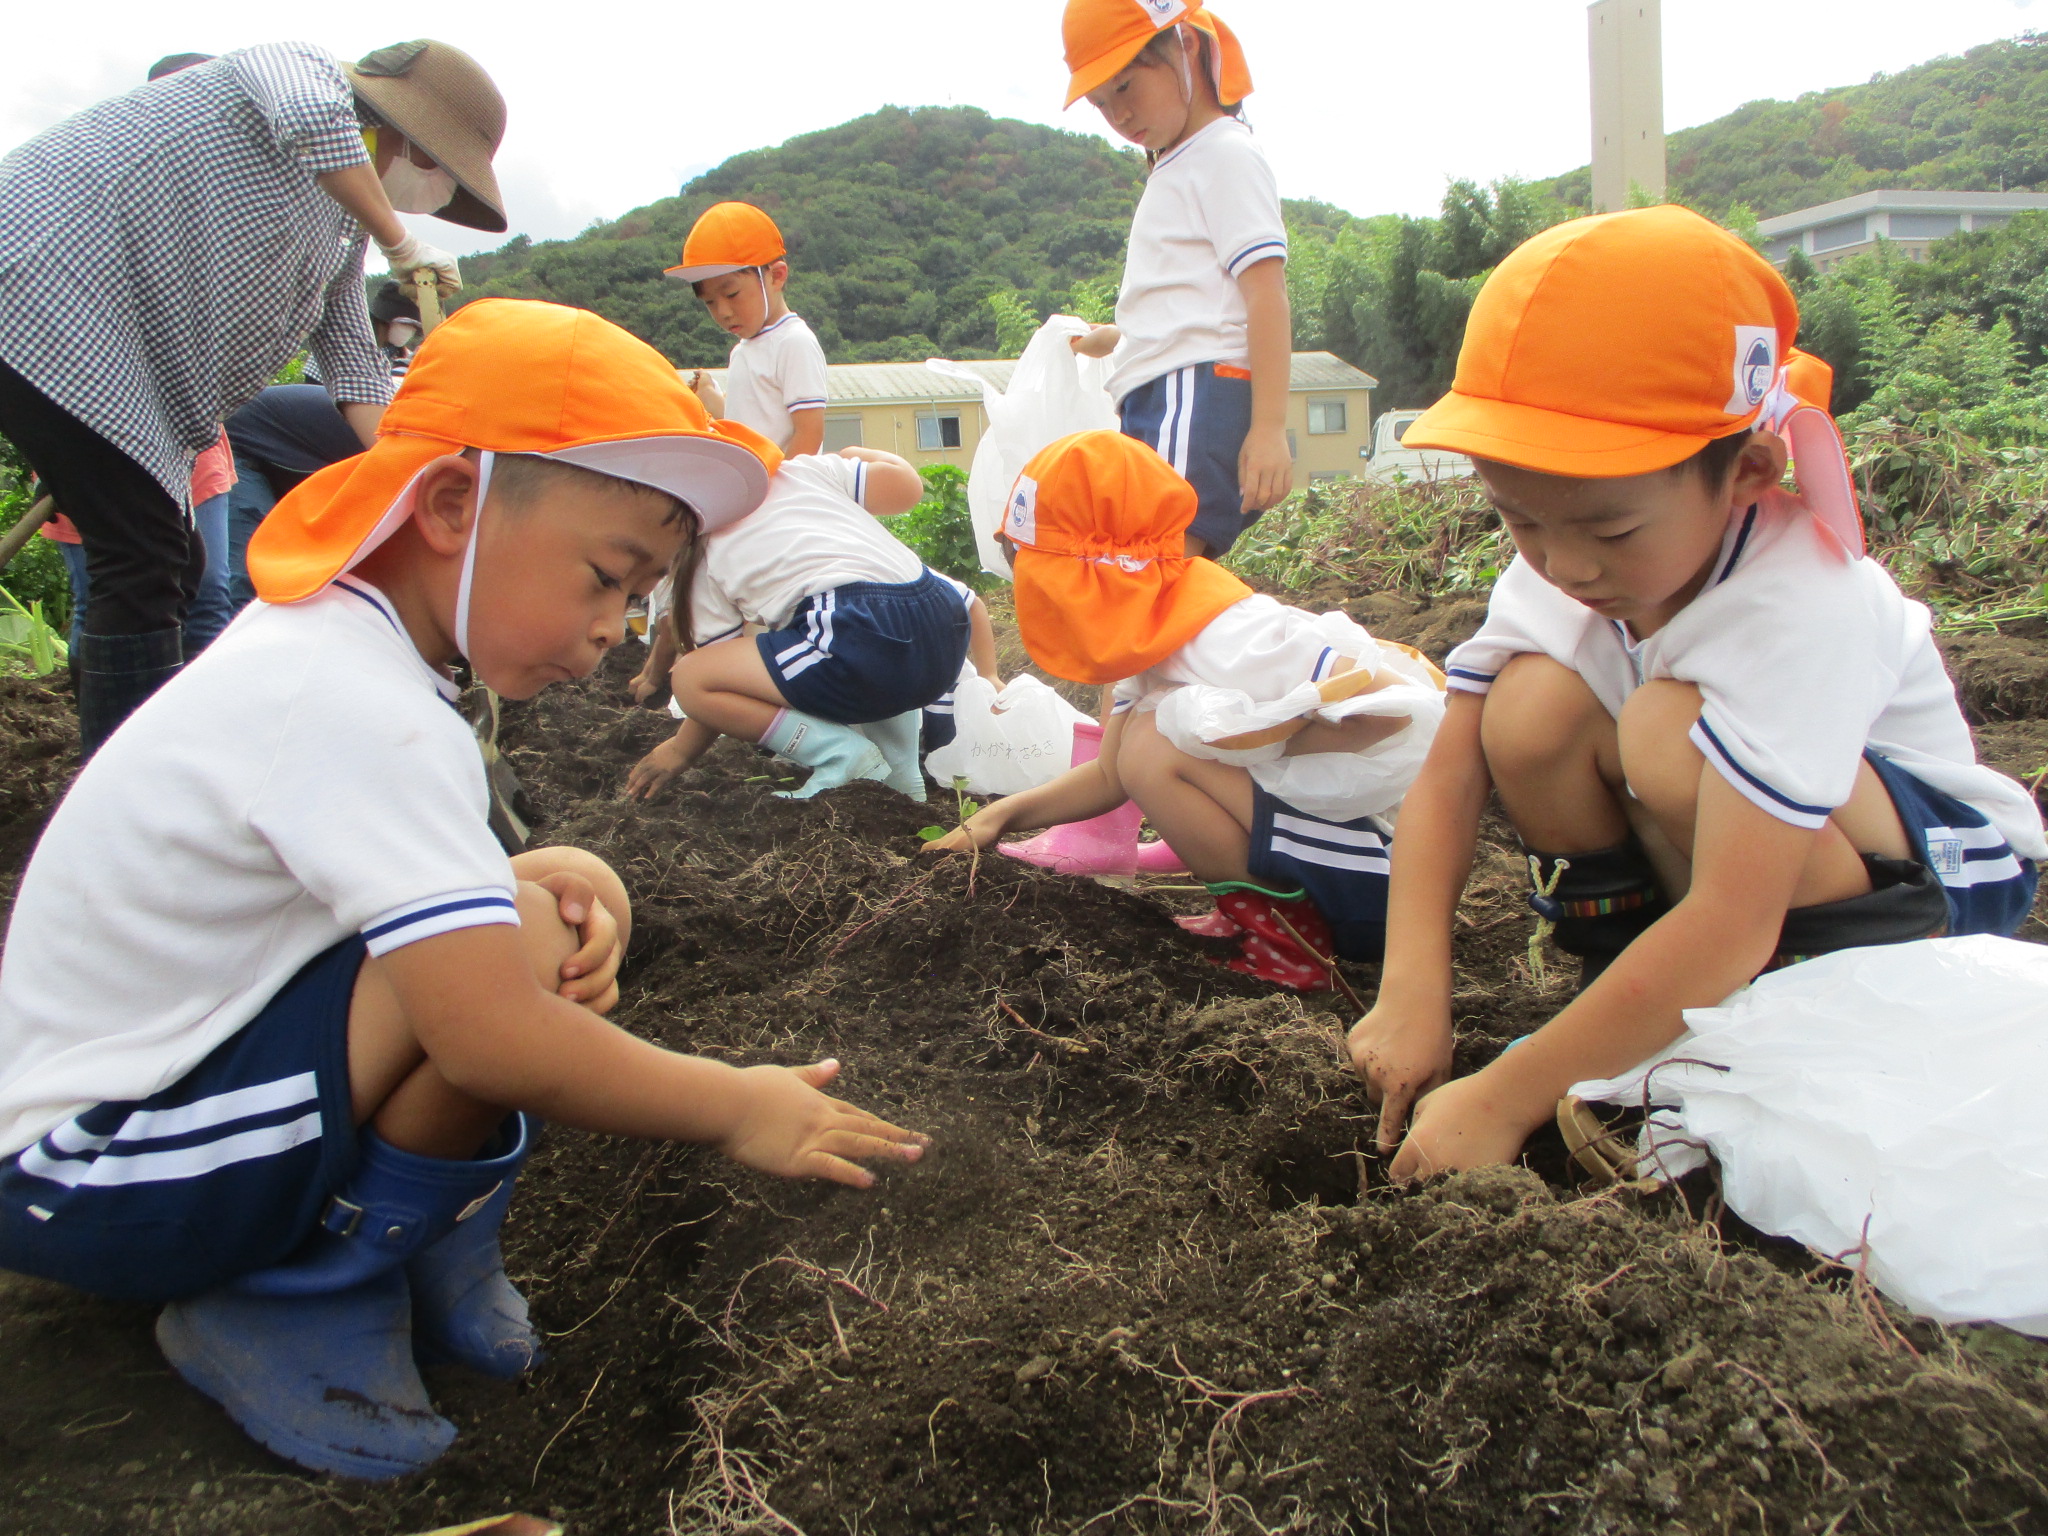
{"points": [[1803, 658], [1259, 645], [303, 780], [811, 534], [1210, 211], [777, 370]]}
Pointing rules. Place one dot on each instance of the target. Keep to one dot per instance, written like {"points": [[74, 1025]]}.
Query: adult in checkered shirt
{"points": [[164, 253]]}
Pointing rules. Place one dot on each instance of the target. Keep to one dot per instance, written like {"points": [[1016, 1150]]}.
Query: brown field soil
{"points": [[1150, 1278]]}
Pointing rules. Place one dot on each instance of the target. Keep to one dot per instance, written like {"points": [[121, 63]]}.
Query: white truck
{"points": [[1389, 457]]}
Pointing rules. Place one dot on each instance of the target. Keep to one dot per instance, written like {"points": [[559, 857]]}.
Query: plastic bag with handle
{"points": [[1883, 1106], [1053, 393], [1005, 743]]}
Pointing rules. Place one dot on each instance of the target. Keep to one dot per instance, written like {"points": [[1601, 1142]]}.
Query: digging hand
{"points": [[651, 774], [1401, 1058], [644, 686], [1458, 1126], [788, 1126], [591, 975]]}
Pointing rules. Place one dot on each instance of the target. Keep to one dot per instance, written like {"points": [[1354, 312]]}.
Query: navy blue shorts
{"points": [[223, 1172], [1990, 888], [870, 650], [1343, 865], [1198, 418]]}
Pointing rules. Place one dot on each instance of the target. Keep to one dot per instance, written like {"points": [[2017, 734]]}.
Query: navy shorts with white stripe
{"points": [[1197, 419], [1990, 888], [1343, 865], [224, 1172], [871, 650]]}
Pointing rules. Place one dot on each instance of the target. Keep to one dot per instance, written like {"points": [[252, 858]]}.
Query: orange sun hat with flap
{"points": [[1624, 343], [1104, 36], [1104, 589], [728, 237], [514, 376]]}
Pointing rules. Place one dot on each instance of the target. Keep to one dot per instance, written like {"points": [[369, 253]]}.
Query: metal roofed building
{"points": [[929, 418], [1833, 232]]}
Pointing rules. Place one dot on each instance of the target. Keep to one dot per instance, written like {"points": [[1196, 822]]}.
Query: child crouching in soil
{"points": [[1726, 739], [855, 636], [1264, 743], [278, 1016]]}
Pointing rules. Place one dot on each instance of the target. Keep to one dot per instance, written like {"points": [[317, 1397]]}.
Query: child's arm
{"points": [[700, 382], [1402, 1048], [1265, 468], [809, 433], [1099, 342], [1075, 795], [492, 1033], [981, 642], [661, 657], [891, 485], [1746, 867], [651, 775]]}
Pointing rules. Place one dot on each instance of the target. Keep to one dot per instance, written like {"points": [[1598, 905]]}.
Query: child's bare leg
{"points": [[727, 687], [1203, 809], [1664, 771], [1555, 756], [393, 1084], [981, 641]]}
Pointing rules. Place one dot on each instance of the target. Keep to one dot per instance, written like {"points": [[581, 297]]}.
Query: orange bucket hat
{"points": [[1104, 589], [728, 237], [1104, 36], [514, 376], [1624, 343]]}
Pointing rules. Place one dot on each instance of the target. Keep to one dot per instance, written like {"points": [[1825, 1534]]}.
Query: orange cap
{"points": [[728, 237], [1103, 36], [1623, 344], [1104, 588], [514, 376]]}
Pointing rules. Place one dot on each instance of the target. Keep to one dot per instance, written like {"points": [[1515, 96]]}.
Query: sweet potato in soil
{"points": [[1150, 1278]]}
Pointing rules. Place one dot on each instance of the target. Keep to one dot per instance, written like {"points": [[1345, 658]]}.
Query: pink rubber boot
{"points": [[1102, 845]]}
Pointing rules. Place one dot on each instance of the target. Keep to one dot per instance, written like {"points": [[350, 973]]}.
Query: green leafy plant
{"points": [[36, 574], [28, 643], [939, 528], [962, 809]]}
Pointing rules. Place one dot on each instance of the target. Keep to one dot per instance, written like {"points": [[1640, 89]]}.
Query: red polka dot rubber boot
{"points": [[1287, 941]]}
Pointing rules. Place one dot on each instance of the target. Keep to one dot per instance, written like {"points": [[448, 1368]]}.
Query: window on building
{"points": [[937, 432], [1326, 415], [1830, 237], [1924, 226], [842, 432]]}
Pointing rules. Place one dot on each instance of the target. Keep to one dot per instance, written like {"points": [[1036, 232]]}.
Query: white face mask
{"points": [[413, 190]]}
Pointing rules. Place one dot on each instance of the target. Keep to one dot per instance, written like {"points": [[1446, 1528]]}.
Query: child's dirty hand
{"points": [[651, 774], [1457, 1126], [1401, 1058], [645, 685], [591, 975], [789, 1127], [1265, 469]]}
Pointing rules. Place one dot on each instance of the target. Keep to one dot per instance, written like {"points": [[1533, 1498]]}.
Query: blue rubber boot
{"points": [[464, 1309], [898, 740], [327, 1382], [835, 754]]}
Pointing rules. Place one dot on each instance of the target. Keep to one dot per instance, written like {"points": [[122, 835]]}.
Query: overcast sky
{"points": [[1363, 103]]}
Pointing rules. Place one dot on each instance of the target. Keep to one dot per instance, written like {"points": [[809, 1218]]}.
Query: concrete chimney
{"points": [[1626, 38]]}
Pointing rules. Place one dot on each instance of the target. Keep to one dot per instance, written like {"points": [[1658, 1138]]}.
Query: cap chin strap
{"points": [[468, 577], [762, 274]]}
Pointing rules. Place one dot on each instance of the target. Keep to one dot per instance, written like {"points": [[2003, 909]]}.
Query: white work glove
{"points": [[412, 253]]}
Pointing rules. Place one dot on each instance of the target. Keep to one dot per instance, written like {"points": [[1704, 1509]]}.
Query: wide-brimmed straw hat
{"points": [[441, 100], [514, 376], [1105, 588]]}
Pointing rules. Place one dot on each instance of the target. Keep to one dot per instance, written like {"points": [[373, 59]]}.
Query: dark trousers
{"points": [[143, 557]]}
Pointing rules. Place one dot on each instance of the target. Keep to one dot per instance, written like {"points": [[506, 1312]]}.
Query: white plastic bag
{"points": [[1008, 742], [1337, 786], [1053, 393], [1892, 1095]]}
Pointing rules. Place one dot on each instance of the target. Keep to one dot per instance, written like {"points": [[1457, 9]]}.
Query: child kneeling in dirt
{"points": [[1266, 744], [1726, 739], [278, 1015], [855, 636]]}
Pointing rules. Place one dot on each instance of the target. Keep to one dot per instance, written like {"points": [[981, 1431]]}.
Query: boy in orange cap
{"points": [[1725, 737], [278, 1014], [1265, 743]]}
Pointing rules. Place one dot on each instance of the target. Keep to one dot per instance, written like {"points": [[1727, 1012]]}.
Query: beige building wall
{"points": [[1626, 39], [894, 427], [1324, 449]]}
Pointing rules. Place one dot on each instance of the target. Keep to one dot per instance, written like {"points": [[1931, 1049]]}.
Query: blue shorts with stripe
{"points": [[224, 1172], [1198, 418], [870, 650], [1990, 888], [1343, 865]]}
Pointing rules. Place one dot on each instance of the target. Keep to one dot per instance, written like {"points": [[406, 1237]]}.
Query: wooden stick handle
{"points": [[1334, 690], [18, 536], [426, 292]]}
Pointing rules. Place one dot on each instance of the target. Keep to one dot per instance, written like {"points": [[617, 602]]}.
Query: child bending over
{"points": [[855, 636], [1263, 742], [1726, 739], [278, 1018]]}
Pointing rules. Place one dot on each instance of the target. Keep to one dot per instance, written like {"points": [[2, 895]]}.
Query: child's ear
{"points": [[1760, 467], [444, 502], [778, 274]]}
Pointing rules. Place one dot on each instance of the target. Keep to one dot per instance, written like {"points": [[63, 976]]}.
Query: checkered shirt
{"points": [[164, 253]]}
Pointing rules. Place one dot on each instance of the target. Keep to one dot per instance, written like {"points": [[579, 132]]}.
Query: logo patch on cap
{"points": [[1756, 365], [1020, 522], [1164, 11]]}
